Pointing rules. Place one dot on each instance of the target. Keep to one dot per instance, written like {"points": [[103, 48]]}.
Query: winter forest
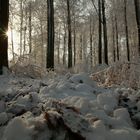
{"points": [[69, 69]]}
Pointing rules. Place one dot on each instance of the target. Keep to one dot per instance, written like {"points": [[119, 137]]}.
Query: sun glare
{"points": [[8, 33]]}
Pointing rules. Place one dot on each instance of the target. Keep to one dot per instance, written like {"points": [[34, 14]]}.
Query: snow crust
{"points": [[47, 109]]}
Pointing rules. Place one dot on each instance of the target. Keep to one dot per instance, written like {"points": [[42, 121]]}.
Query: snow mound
{"points": [[69, 107], [82, 78], [17, 129], [107, 101], [3, 118]]}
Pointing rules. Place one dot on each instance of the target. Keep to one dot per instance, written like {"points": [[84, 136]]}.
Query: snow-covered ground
{"points": [[69, 107]]}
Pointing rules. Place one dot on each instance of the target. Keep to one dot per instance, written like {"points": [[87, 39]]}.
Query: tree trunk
{"points": [[25, 29], [81, 48], [105, 33], [4, 17], [64, 45], [126, 30], [21, 25], [74, 42], [137, 10], [50, 25], [100, 33], [69, 36], [117, 39], [113, 39], [30, 27], [24, 42], [59, 44], [91, 42], [42, 42]]}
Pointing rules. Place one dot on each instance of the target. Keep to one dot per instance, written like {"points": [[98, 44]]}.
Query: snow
{"points": [[138, 105], [70, 106], [107, 101], [2, 106], [3, 118], [18, 129], [122, 134]]}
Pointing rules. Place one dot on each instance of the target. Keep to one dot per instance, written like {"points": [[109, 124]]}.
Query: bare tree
{"points": [[4, 17], [117, 38], [126, 30], [69, 35], [137, 10], [30, 27], [50, 47], [91, 41], [105, 33], [100, 33], [21, 25], [113, 39], [64, 44]]}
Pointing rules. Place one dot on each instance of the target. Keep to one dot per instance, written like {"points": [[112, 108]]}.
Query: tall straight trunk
{"points": [[25, 29], [35, 52], [100, 33], [30, 27], [105, 33], [81, 48], [74, 41], [69, 35], [50, 26], [91, 42], [59, 43], [126, 30], [113, 39], [64, 45], [117, 39], [94, 58], [84, 50], [137, 10], [4, 17], [24, 42], [21, 25], [42, 42]]}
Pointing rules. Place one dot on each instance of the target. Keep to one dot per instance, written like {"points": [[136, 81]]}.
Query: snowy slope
{"points": [[67, 107]]}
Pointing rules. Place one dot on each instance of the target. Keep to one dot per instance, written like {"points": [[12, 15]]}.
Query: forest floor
{"points": [[101, 106]]}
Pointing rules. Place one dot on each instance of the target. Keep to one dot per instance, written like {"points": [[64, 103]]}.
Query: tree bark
{"points": [[42, 42], [64, 45], [50, 26], [137, 10], [100, 33], [105, 33], [4, 18], [69, 35], [30, 27], [74, 41], [25, 30], [59, 44], [117, 39], [81, 48], [126, 30], [91, 42], [21, 25], [113, 39]]}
